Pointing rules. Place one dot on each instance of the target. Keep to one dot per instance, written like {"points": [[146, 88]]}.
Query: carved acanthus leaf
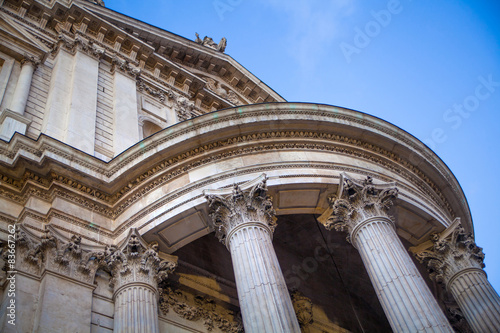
{"points": [[238, 207], [358, 201], [137, 261], [450, 255]]}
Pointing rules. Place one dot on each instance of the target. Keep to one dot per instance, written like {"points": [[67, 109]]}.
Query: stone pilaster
{"points": [[137, 269], [125, 122], [456, 261], [361, 209], [56, 280], [244, 221]]}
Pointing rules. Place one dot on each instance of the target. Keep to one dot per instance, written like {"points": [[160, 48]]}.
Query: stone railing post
{"points": [[244, 221], [360, 209], [456, 261]]}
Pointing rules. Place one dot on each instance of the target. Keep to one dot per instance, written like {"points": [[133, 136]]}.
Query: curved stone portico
{"points": [[130, 152]]}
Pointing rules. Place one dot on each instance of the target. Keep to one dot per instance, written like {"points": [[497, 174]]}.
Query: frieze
{"points": [[200, 308], [111, 199], [134, 261], [113, 213], [159, 94]]}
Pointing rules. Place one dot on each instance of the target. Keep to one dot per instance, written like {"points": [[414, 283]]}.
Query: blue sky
{"points": [[429, 67]]}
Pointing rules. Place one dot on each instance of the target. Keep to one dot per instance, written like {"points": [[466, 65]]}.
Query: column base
{"points": [[12, 122]]}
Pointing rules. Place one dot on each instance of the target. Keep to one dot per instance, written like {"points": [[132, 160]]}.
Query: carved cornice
{"points": [[334, 143], [358, 201], [230, 210], [200, 308], [451, 254]]}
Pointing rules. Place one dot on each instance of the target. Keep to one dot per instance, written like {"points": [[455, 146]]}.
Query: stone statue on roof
{"points": [[209, 42]]}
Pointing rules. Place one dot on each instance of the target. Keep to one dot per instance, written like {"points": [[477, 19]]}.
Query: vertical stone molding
{"points": [[125, 122], [456, 261], [361, 209], [82, 111], [244, 221], [136, 271]]}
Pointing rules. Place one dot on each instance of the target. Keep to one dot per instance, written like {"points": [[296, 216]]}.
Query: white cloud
{"points": [[313, 26]]}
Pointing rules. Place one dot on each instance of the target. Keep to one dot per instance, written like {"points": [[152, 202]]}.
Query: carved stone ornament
{"points": [[229, 209], [160, 94], [200, 308], [451, 253], [29, 59], [136, 261], [208, 42], [184, 108], [303, 308], [125, 67], [457, 318], [357, 201], [133, 261]]}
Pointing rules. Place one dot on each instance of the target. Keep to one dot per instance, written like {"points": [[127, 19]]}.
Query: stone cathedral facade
{"points": [[151, 183]]}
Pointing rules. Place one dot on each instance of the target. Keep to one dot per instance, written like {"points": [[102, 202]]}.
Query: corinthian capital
{"points": [[137, 261], [250, 203], [30, 59], [356, 201], [451, 253]]}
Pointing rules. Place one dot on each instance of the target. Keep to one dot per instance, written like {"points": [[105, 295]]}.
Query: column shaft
{"points": [[136, 310], [477, 299], [264, 300], [407, 301], [23, 86]]}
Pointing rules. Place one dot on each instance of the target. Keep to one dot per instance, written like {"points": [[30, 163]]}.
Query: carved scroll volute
{"points": [[229, 209], [357, 201]]}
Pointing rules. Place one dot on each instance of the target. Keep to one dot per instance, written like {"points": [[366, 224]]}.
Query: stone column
{"points": [[137, 269], [360, 209], [13, 119], [20, 97], [456, 261], [244, 221]]}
